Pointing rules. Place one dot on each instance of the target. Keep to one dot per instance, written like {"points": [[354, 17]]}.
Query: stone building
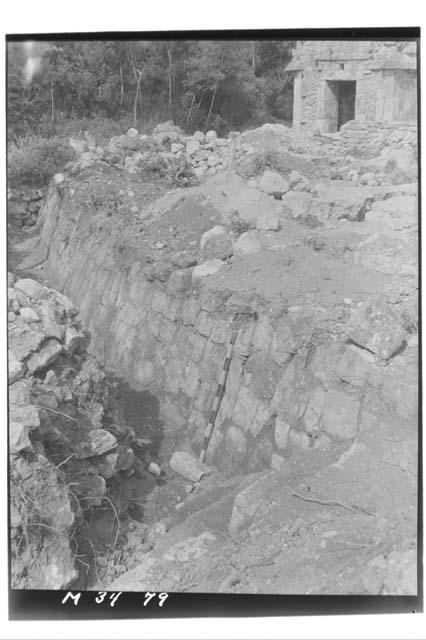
{"points": [[338, 81]]}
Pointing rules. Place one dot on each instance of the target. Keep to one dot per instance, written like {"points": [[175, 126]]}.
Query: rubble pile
{"points": [[24, 205], [61, 455]]}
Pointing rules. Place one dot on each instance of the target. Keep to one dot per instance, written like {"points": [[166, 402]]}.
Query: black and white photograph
{"points": [[213, 314]]}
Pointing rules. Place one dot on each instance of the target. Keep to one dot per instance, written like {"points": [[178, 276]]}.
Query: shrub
{"points": [[33, 160]]}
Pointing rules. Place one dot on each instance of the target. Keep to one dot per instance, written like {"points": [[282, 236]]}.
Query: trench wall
{"points": [[289, 385]]}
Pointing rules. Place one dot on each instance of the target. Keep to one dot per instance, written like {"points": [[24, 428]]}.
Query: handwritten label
{"points": [[150, 598]]}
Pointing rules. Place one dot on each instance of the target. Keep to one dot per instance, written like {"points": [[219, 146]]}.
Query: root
{"points": [[332, 503]]}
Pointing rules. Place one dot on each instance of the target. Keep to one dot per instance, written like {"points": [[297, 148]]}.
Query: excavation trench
{"points": [[296, 382]]}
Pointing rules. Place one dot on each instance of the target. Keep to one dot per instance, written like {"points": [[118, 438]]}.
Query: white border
{"points": [[44, 16]]}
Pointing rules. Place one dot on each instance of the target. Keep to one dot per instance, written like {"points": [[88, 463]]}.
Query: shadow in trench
{"points": [[133, 417]]}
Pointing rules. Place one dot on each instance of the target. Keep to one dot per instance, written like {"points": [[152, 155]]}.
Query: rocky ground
{"points": [[311, 483]]}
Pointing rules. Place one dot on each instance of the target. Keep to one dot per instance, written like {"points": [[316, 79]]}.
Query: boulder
{"points": [[247, 244], [297, 203], [175, 147], [185, 465], [216, 243], [208, 268], [267, 221], [30, 287], [376, 327], [79, 146], [19, 392], [211, 135], [74, 340], [18, 437], [22, 421], [58, 178], [48, 353], [28, 314], [340, 415], [23, 340], [192, 146], [51, 327], [99, 442], [16, 368], [132, 133], [386, 253], [273, 183], [298, 182], [355, 366]]}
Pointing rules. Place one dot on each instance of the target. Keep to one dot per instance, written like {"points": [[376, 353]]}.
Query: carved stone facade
{"points": [[339, 81]]}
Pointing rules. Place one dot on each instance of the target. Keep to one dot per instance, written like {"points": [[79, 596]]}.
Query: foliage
{"points": [[199, 84], [34, 160]]}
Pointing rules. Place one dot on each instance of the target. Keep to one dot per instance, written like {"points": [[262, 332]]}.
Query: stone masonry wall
{"points": [[372, 64], [293, 382]]}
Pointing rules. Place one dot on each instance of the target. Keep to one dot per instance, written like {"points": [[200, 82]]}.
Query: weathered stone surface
{"points": [[273, 183], [192, 146], [19, 392], [246, 504], [355, 366], [183, 259], [107, 466], [18, 437], [376, 327], [175, 147], [16, 367], [48, 353], [340, 415], [22, 421], [235, 444], [185, 465], [74, 340], [208, 268], [28, 314], [388, 254], [262, 335], [245, 408], [349, 203], [265, 375], [298, 204], [262, 419], [312, 415], [247, 244], [282, 429], [324, 364], [298, 182], [283, 344], [191, 548], [298, 439], [293, 390], [99, 442], [23, 340], [179, 281], [277, 462], [52, 328], [401, 386], [267, 221], [216, 243]]}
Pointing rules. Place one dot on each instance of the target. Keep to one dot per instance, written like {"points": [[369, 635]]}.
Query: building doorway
{"points": [[346, 101], [339, 104]]}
